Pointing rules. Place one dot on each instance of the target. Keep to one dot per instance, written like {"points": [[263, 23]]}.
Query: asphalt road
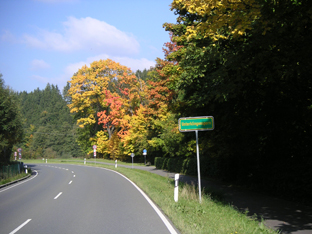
{"points": [[78, 199]]}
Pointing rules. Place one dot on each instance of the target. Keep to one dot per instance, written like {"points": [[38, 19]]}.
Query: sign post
{"points": [[144, 153], [94, 152], [132, 155], [19, 153], [191, 124]]}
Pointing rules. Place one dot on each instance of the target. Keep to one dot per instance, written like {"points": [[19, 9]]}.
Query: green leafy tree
{"points": [[257, 85], [10, 122]]}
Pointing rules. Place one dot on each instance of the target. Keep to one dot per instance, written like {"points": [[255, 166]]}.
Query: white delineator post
{"points": [[46, 160], [84, 161], [26, 171], [176, 187], [132, 155], [116, 163]]}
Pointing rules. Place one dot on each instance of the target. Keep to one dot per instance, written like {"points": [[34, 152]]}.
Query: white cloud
{"points": [[37, 64], [7, 36], [70, 69], [133, 64], [85, 34]]}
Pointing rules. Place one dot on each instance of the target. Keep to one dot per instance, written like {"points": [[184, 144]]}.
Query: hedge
{"points": [[188, 166]]}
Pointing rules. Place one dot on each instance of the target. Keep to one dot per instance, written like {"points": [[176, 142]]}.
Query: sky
{"points": [[47, 41]]}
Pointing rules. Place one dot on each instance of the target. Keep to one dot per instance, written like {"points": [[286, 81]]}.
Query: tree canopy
{"points": [[10, 122]]}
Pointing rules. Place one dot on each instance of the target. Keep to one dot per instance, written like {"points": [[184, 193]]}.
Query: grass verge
{"points": [[11, 179], [188, 215]]}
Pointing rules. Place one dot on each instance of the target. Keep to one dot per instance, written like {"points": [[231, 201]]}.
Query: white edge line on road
{"points": [[22, 182], [58, 195], [160, 214], [70, 182], [20, 226]]}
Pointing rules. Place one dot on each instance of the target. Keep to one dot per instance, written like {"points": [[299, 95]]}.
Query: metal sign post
{"points": [[144, 153], [191, 124], [19, 153]]}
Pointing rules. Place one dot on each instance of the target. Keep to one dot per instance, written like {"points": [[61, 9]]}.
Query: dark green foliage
{"points": [[50, 130], [10, 122], [259, 90]]}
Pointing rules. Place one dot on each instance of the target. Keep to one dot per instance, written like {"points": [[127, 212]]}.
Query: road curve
{"points": [[78, 199]]}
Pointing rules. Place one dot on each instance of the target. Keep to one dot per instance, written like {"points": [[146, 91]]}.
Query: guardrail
{"points": [[10, 170]]}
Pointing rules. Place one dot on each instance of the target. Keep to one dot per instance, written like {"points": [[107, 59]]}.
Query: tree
{"points": [[10, 122], [47, 123], [104, 98], [217, 18], [255, 81]]}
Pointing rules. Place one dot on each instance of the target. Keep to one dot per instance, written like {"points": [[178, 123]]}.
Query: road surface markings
{"points": [[70, 182], [58, 195], [72, 171], [160, 214], [74, 175], [20, 226]]}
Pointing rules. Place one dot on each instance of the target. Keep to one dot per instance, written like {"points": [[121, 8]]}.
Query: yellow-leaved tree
{"points": [[218, 16], [105, 96]]}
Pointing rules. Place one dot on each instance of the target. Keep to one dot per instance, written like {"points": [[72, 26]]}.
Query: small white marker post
{"points": [[84, 161], [116, 163], [46, 160], [94, 152], [26, 171], [176, 187], [132, 155]]}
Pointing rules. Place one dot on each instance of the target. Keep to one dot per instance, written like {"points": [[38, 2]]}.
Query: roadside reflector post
{"points": [[26, 171], [176, 187], [84, 161], [195, 124], [116, 163], [46, 160]]}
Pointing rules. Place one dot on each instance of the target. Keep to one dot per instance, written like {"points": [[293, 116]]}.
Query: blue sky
{"points": [[46, 41]]}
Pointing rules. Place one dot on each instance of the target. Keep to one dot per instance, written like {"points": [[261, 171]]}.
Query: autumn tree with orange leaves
{"points": [[105, 96]]}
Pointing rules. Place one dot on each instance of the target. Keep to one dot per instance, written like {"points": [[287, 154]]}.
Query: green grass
{"points": [[11, 179], [80, 160], [188, 215]]}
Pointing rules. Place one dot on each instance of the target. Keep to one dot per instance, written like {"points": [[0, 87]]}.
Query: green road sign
{"points": [[190, 124]]}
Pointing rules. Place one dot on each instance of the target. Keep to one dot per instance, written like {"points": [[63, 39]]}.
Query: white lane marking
{"points": [[18, 183], [58, 195], [20, 226], [72, 171], [70, 182], [66, 169], [160, 214], [74, 175]]}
